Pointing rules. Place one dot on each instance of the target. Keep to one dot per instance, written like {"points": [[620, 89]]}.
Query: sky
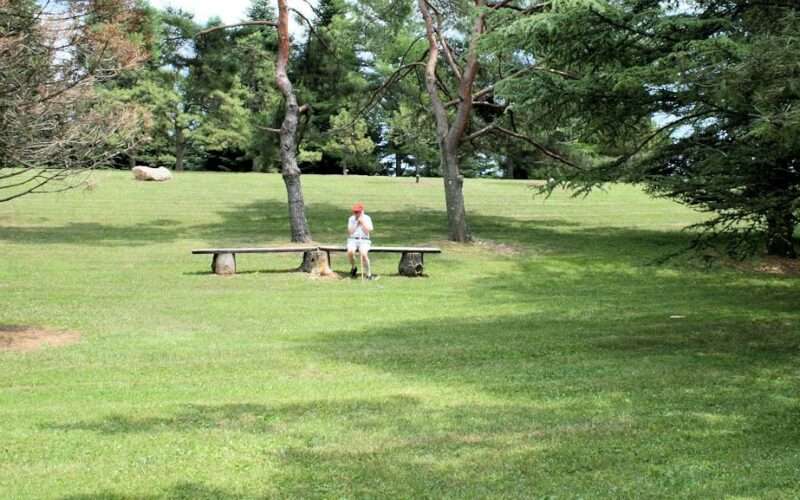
{"points": [[229, 10]]}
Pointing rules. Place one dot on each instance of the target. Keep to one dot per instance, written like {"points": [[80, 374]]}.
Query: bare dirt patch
{"points": [[497, 247], [19, 338], [779, 266]]}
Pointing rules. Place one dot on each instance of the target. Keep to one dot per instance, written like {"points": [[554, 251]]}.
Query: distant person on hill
{"points": [[359, 225]]}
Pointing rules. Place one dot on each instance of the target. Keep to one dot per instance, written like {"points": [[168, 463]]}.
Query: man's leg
{"points": [[363, 250], [351, 256]]}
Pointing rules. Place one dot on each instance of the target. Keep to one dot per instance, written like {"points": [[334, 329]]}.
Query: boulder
{"points": [[224, 264], [151, 174]]}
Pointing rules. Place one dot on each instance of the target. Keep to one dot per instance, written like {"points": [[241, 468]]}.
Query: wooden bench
{"points": [[412, 259], [224, 260]]}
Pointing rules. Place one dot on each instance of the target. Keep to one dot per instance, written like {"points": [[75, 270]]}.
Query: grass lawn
{"points": [[553, 358]]}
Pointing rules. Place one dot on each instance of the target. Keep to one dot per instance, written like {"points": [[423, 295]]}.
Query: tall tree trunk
{"points": [[457, 229], [288, 133], [398, 165], [780, 234], [509, 168], [180, 148], [449, 135]]}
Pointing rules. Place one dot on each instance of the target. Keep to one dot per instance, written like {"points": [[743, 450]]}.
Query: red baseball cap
{"points": [[358, 207]]}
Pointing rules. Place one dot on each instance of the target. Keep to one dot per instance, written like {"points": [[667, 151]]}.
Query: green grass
{"points": [[555, 370]]}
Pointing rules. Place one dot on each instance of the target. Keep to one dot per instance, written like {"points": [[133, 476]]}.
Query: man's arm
{"points": [[352, 224], [367, 223]]}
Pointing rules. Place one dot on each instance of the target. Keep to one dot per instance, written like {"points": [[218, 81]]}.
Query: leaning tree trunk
{"points": [[454, 197], [398, 165], [288, 133], [449, 134], [180, 148], [780, 234], [509, 168]]}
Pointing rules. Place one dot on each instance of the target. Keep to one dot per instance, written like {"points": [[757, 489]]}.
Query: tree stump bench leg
{"points": [[224, 264], [412, 264], [316, 263]]}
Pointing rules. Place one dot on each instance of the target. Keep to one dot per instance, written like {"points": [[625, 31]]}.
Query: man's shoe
{"points": [[353, 272], [373, 277]]}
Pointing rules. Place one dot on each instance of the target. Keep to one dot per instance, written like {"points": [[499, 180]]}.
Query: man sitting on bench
{"points": [[359, 225]]}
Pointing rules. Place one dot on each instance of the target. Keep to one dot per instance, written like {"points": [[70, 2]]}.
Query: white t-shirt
{"points": [[362, 231]]}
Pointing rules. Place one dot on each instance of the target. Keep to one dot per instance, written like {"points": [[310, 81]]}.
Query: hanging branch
{"points": [[262, 22], [448, 53], [540, 147], [311, 29], [506, 4], [490, 88]]}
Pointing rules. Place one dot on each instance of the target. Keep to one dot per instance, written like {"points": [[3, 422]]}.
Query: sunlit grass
{"points": [[551, 358]]}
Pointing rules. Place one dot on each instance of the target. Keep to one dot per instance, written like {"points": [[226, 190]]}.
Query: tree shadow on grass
{"points": [[262, 222], [704, 393], [253, 418], [398, 446], [594, 405], [265, 222], [328, 224], [629, 285], [573, 413], [181, 491], [96, 234]]}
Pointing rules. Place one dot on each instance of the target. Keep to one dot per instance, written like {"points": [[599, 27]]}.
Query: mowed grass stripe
{"points": [[551, 358]]}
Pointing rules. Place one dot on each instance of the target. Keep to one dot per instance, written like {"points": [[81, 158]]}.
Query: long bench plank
{"points": [[328, 248], [341, 248], [255, 250]]}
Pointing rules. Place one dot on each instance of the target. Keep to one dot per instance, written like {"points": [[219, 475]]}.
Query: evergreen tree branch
{"points": [[506, 4], [448, 53], [464, 109], [490, 88], [311, 29], [658, 132], [544, 150], [261, 22]]}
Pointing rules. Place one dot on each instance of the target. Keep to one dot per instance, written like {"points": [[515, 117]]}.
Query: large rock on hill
{"points": [[151, 174]]}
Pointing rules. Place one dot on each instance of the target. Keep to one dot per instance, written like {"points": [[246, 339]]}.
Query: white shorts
{"points": [[354, 244]]}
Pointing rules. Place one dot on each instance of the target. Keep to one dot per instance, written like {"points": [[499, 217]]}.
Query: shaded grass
{"points": [[571, 367]]}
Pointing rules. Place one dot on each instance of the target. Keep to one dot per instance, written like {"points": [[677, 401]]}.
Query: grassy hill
{"points": [[553, 357]]}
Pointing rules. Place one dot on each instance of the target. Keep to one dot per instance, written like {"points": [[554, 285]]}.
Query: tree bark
{"points": [[449, 135], [288, 132], [289, 169], [316, 263], [457, 229], [411, 264], [780, 234], [180, 148], [398, 165], [509, 168]]}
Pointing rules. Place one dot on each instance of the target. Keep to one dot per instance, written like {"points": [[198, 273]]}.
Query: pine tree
{"points": [[712, 85], [53, 122]]}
